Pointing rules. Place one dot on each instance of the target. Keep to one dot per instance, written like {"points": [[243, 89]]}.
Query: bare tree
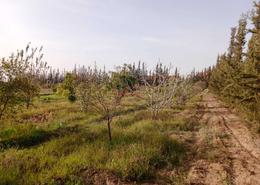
{"points": [[184, 91], [101, 98], [160, 93]]}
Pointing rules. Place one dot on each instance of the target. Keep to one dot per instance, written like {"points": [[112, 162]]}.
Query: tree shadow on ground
{"points": [[36, 137]]}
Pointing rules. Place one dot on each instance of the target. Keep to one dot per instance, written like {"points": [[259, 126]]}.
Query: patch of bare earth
{"points": [[103, 177], [40, 118], [228, 153]]}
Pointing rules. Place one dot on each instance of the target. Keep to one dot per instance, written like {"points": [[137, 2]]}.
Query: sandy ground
{"points": [[238, 157]]}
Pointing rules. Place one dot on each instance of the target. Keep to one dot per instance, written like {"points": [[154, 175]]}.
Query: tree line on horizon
{"points": [[23, 75]]}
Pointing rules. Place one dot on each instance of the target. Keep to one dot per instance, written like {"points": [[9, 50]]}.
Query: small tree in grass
{"points": [[28, 90], [69, 84], [123, 80], [101, 98], [159, 93], [184, 92], [83, 95]]}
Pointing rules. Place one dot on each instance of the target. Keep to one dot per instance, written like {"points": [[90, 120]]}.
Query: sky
{"points": [[186, 33]]}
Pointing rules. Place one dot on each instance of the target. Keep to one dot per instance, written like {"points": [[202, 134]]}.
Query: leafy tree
{"points": [[123, 80], [69, 84], [28, 90], [226, 75], [19, 77], [9, 96], [236, 76]]}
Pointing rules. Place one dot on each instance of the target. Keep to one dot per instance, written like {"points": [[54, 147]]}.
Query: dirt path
{"points": [[236, 153]]}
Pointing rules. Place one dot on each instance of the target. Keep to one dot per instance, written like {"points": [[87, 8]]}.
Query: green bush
{"points": [[72, 97]]}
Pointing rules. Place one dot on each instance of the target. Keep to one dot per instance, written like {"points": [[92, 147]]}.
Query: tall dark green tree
{"points": [[236, 76]]}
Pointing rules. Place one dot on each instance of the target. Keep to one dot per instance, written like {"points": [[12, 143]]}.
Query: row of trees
{"points": [[52, 77], [202, 76], [102, 93], [23, 74], [236, 75]]}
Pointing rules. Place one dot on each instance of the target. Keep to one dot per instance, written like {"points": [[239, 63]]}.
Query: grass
{"points": [[59, 148]]}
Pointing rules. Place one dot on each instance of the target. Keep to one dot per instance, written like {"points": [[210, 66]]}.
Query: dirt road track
{"points": [[241, 162]]}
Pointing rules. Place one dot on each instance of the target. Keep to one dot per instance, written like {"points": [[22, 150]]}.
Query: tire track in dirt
{"points": [[238, 163], [237, 139], [244, 158]]}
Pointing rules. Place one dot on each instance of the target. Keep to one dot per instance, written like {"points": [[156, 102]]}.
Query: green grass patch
{"points": [[59, 149]]}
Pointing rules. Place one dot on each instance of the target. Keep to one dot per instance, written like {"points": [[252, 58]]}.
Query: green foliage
{"points": [[9, 96], [72, 97], [69, 84], [124, 80], [236, 76], [19, 81]]}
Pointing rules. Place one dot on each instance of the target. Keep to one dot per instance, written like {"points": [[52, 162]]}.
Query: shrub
{"points": [[72, 97]]}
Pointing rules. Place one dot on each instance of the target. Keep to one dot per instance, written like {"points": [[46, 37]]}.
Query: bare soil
{"points": [[231, 155]]}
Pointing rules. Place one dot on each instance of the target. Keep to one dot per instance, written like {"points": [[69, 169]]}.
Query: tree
{"points": [[9, 96], [232, 44], [124, 80], [35, 73], [184, 91], [235, 63], [69, 84], [28, 90], [226, 76], [236, 76], [100, 97], [250, 77], [19, 77], [160, 92]]}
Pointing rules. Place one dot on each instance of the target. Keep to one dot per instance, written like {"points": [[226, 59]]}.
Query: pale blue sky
{"points": [[187, 33]]}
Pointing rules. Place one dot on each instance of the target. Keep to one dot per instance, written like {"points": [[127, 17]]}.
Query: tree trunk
{"points": [[109, 119], [155, 115], [27, 103]]}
